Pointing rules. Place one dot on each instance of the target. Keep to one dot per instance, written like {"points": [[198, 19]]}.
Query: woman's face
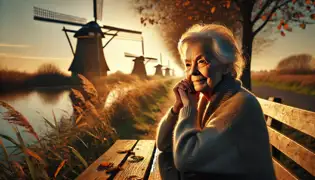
{"points": [[202, 68]]}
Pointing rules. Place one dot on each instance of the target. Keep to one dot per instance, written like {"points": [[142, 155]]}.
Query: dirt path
{"points": [[289, 98]]}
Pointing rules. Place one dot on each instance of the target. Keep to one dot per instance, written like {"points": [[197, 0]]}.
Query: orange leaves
{"points": [[106, 165], [186, 3], [287, 27], [312, 16], [264, 17], [308, 2], [228, 4], [213, 10], [303, 25]]}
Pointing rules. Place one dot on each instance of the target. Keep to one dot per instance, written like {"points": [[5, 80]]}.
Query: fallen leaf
{"points": [[114, 169], [106, 164], [212, 10]]}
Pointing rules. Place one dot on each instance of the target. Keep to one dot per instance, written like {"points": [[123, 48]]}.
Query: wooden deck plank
{"points": [[293, 150], [92, 172], [163, 167], [299, 119], [144, 148], [281, 172]]}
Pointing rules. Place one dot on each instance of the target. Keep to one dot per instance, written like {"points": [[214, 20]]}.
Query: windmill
{"points": [[139, 65], [167, 70], [173, 72], [89, 57], [158, 68]]}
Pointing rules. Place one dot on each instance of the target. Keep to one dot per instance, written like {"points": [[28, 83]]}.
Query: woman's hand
{"points": [[189, 96], [185, 95]]}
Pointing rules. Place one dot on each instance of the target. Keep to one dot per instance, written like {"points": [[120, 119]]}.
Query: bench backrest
{"points": [[279, 115]]}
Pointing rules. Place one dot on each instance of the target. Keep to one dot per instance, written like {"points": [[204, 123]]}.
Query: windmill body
{"points": [[139, 64], [89, 58], [158, 70], [167, 72]]}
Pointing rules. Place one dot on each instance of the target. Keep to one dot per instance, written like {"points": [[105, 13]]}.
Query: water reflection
{"points": [[35, 105]]}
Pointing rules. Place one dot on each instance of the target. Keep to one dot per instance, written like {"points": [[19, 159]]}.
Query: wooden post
{"points": [[277, 125]]}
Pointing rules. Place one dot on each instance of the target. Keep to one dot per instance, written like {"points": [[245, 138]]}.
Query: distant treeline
{"points": [[295, 64], [47, 75]]}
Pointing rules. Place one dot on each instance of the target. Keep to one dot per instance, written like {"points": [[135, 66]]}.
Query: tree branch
{"points": [[268, 18], [261, 11]]}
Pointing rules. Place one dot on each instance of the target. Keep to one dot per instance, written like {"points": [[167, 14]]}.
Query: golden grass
{"points": [[304, 84]]}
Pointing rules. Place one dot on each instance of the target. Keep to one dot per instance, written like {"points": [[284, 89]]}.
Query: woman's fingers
{"points": [[188, 85]]}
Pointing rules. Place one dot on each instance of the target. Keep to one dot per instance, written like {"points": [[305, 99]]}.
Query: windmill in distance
{"points": [[167, 70], [139, 65], [158, 68], [89, 59]]}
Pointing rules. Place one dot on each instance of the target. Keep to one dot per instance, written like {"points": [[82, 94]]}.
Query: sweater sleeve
{"points": [[165, 131], [204, 150]]}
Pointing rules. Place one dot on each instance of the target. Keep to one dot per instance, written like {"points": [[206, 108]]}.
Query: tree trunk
{"points": [[247, 42], [247, 45]]}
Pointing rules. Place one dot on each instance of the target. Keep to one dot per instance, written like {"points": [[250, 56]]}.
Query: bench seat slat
{"points": [[110, 155], [295, 151], [139, 169], [281, 172], [299, 119]]}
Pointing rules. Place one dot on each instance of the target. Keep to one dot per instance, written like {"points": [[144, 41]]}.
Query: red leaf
{"points": [[293, 1], [212, 10], [282, 33]]}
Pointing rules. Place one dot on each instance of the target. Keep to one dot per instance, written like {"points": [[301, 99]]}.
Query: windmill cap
{"points": [[91, 26]]}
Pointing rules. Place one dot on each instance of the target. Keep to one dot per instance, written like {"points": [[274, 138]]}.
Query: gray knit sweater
{"points": [[226, 135]]}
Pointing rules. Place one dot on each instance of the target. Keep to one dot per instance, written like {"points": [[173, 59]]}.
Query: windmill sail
{"points": [[99, 10], [41, 14]]}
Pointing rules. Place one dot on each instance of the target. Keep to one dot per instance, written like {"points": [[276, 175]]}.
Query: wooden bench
{"points": [[278, 115], [156, 165]]}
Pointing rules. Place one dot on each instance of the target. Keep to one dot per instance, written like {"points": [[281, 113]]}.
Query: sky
{"points": [[25, 44]]}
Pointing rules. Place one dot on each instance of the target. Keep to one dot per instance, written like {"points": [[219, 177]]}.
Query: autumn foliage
{"points": [[246, 18]]}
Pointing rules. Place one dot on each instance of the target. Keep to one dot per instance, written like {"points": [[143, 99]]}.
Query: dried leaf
{"points": [[303, 25], [312, 16], [114, 169], [213, 10], [105, 165]]}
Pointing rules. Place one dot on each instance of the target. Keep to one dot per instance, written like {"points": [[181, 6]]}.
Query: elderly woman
{"points": [[215, 125]]}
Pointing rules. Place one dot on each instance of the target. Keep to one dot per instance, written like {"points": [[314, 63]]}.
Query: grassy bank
{"points": [[77, 141], [303, 84]]}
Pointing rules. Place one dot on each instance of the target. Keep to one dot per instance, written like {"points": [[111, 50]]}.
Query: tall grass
{"points": [[76, 141], [304, 84]]}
